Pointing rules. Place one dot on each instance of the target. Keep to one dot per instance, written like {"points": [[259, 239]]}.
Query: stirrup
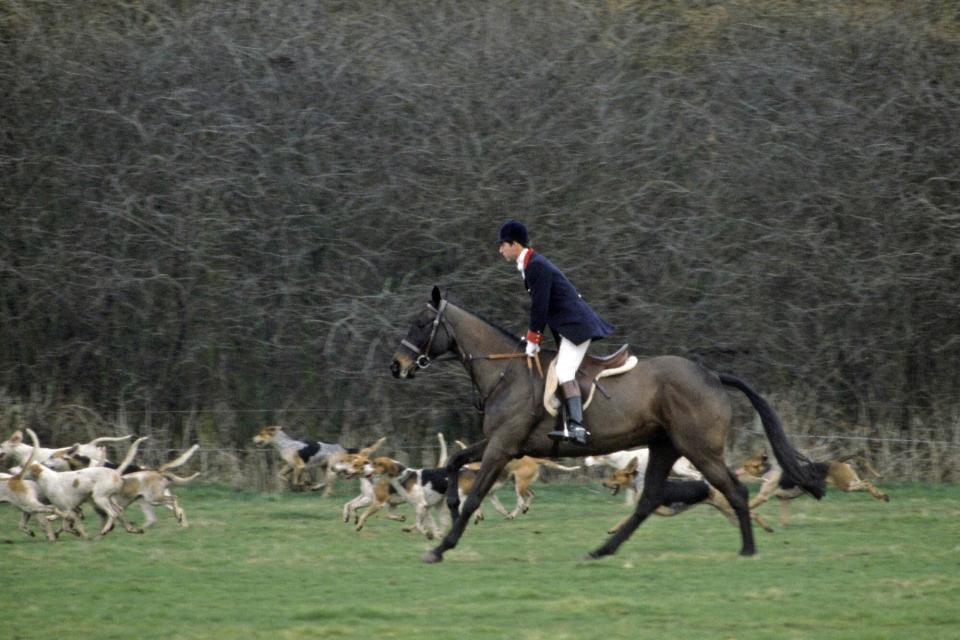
{"points": [[579, 435]]}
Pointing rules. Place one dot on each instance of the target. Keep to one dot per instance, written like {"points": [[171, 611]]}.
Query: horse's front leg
{"points": [[494, 460], [462, 457]]}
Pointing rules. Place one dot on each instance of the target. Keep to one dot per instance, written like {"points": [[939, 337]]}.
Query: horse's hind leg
{"points": [[716, 473], [662, 456]]}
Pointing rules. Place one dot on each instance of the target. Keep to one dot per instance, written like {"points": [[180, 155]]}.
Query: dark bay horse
{"points": [[673, 405]]}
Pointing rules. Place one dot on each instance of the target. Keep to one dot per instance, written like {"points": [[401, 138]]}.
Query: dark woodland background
{"points": [[221, 215]]}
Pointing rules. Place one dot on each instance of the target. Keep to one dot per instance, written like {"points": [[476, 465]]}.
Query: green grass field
{"points": [[285, 566]]}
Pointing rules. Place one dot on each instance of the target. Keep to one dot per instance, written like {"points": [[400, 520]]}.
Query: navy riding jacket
{"points": [[555, 302]]}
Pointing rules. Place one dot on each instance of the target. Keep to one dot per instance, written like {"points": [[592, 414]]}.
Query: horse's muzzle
{"points": [[401, 370]]}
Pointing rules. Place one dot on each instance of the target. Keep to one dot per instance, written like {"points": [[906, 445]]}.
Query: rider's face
{"points": [[510, 250]]}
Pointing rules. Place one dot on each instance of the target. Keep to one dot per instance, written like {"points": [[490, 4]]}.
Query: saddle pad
{"points": [[551, 402]]}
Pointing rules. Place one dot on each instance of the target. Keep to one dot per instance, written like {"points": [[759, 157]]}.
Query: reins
{"points": [[506, 356], [479, 402], [423, 360]]}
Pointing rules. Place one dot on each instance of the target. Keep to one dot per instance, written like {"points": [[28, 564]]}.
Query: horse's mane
{"points": [[507, 334]]}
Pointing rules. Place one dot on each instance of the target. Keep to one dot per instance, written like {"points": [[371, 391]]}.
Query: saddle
{"points": [[591, 369]]}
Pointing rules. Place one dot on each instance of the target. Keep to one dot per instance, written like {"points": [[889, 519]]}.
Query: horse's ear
{"points": [[437, 296]]}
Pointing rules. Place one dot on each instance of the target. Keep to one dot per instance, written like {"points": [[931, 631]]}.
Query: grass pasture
{"points": [[285, 567]]}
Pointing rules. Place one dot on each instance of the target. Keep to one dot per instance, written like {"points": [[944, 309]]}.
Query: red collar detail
{"points": [[526, 258]]}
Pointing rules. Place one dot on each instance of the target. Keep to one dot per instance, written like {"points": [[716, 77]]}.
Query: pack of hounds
{"points": [[53, 484], [385, 482]]}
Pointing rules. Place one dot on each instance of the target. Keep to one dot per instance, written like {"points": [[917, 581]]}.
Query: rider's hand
{"points": [[534, 338], [532, 349]]}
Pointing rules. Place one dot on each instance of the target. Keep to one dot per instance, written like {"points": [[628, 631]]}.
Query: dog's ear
{"points": [[65, 453], [632, 465]]}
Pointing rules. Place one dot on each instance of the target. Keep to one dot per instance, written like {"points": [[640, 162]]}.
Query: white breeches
{"points": [[569, 357]]}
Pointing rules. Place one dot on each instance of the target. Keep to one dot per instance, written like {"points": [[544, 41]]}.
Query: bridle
{"points": [[423, 358], [423, 354]]}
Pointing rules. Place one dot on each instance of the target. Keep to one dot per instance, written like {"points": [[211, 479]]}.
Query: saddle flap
{"points": [[591, 366], [591, 369]]}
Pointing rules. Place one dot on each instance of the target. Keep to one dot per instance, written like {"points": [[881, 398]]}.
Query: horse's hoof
{"points": [[593, 555], [431, 557], [746, 553]]}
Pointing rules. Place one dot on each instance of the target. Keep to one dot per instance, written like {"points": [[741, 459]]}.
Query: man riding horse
{"points": [[555, 303]]}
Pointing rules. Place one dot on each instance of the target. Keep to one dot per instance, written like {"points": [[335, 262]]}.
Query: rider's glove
{"points": [[533, 343]]}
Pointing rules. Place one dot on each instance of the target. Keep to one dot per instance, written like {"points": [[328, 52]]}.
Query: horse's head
{"points": [[428, 337]]}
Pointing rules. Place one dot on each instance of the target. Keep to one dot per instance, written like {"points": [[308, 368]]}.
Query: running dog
{"points": [[375, 493], [150, 486], [351, 465], [17, 450], [25, 495], [679, 496], [424, 489], [299, 455], [837, 472], [524, 471], [67, 490], [617, 460]]}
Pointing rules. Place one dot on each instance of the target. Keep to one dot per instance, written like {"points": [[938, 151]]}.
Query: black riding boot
{"points": [[573, 430]]}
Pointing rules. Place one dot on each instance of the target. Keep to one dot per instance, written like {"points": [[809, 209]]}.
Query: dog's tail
{"points": [[376, 445], [797, 468], [179, 460], [131, 452], [30, 458], [96, 441], [442, 460], [179, 480], [553, 465]]}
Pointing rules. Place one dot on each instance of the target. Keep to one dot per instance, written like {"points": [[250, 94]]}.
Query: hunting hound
{"points": [[150, 486], [617, 460], [17, 451], [351, 466], [680, 495], [524, 471], [838, 472], [424, 489], [25, 496], [67, 490], [380, 491], [299, 455]]}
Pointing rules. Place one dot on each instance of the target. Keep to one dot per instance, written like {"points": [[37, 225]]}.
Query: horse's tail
{"points": [[796, 467]]}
